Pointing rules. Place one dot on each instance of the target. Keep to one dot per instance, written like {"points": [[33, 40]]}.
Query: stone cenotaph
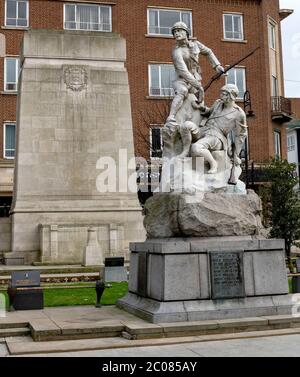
{"points": [[205, 256], [74, 109]]}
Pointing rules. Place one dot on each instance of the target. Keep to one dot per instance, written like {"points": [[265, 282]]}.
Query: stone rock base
{"points": [[202, 215], [180, 311]]}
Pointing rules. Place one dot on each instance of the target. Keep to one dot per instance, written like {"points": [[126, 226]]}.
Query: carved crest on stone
{"points": [[75, 78]]}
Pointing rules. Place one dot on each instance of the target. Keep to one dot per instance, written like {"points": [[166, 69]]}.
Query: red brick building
{"points": [[295, 107], [232, 28]]}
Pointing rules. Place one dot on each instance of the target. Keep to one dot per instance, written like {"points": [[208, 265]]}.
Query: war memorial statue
{"points": [[206, 255], [188, 72]]}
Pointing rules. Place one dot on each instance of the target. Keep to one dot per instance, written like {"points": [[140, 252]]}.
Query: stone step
{"points": [[47, 331], [12, 325], [210, 327], [25, 345], [18, 331]]}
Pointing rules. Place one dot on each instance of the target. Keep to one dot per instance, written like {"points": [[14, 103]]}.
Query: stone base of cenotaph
{"points": [[191, 279], [74, 115]]}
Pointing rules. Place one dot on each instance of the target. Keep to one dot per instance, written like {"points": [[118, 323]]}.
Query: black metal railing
{"points": [[254, 175]]}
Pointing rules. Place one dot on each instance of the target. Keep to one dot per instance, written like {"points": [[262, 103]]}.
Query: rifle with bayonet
{"points": [[218, 75], [232, 179]]}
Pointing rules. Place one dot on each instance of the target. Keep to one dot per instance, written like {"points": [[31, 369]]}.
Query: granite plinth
{"points": [[197, 310], [173, 280]]}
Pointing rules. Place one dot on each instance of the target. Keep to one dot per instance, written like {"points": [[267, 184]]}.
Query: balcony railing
{"points": [[281, 108]]}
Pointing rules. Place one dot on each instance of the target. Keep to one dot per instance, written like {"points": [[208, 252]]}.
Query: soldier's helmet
{"points": [[231, 89], [180, 25]]}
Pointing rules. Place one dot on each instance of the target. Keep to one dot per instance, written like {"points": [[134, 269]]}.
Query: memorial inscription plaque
{"points": [[25, 279], [227, 277], [24, 290]]}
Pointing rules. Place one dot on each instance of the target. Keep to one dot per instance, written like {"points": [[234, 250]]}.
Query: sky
{"points": [[291, 48]]}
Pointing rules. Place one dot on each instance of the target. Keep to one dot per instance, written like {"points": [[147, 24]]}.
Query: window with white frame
{"points": [[156, 142], [160, 79], [274, 86], [11, 74], [233, 26], [237, 76], [272, 35], [9, 140], [277, 141], [291, 143], [87, 17], [16, 13], [160, 21]]}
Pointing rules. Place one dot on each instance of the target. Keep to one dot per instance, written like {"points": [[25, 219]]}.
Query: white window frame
{"points": [[17, 74], [242, 26], [291, 143], [4, 140], [27, 15], [155, 126], [244, 79], [272, 35], [93, 5], [277, 143], [275, 91], [164, 10], [160, 86]]}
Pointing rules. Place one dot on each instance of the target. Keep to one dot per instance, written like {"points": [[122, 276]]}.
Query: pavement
{"points": [[109, 331], [274, 346]]}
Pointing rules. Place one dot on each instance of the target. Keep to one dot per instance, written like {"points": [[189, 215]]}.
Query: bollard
{"points": [[100, 286]]}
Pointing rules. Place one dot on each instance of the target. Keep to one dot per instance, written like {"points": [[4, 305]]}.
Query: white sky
{"points": [[291, 48]]}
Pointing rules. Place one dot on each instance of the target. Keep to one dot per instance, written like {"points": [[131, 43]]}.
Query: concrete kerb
{"points": [[28, 346]]}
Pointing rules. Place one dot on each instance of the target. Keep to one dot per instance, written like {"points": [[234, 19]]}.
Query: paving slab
{"points": [[19, 347], [43, 327], [140, 328], [242, 322], [3, 350], [189, 326], [87, 322], [275, 346], [283, 319]]}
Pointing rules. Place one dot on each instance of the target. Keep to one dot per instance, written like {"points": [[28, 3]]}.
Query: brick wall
{"points": [[296, 107], [130, 20]]}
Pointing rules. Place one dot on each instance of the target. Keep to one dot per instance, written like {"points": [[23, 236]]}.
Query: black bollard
{"points": [[100, 286]]}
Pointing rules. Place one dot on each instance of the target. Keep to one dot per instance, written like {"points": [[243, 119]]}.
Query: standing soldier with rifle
{"points": [[188, 72]]}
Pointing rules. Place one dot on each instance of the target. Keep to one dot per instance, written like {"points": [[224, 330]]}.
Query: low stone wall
{"points": [[65, 243], [5, 234]]}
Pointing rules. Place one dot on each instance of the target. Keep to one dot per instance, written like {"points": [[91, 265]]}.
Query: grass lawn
{"points": [[87, 296], [82, 296]]}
